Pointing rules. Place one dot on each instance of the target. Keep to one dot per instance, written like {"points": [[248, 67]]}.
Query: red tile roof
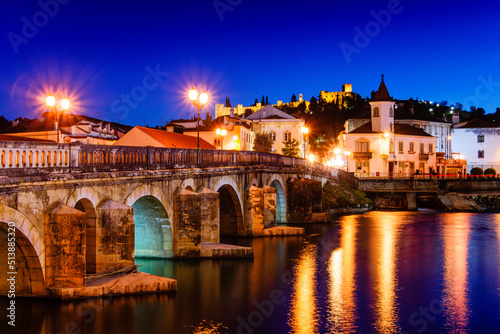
{"points": [[175, 140], [399, 129], [19, 138]]}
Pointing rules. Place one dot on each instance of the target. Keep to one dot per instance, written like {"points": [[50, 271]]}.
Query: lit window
{"points": [[362, 146], [480, 139], [216, 142], [412, 148], [391, 147], [401, 147], [421, 147], [431, 146]]}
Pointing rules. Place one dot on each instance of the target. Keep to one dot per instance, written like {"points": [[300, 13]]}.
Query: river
{"points": [[381, 272]]}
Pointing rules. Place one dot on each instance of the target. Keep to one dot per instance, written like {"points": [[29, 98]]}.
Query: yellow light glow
{"points": [[203, 98], [311, 157], [193, 94], [337, 151], [65, 104], [449, 137], [218, 132], [51, 101], [386, 135], [235, 138], [223, 132], [304, 130], [347, 153]]}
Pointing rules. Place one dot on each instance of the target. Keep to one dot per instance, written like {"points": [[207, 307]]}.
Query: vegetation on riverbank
{"points": [[342, 195]]}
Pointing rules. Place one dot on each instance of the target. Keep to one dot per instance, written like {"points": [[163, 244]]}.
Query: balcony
{"points": [[362, 155], [423, 156]]}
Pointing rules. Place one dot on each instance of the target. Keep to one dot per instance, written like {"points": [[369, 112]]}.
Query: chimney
{"points": [[231, 112], [455, 118]]}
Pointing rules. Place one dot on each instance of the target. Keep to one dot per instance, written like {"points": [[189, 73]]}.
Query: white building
{"points": [[478, 142], [280, 126], [382, 147]]}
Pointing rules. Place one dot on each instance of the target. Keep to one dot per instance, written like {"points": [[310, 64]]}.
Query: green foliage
{"points": [[476, 171], [263, 142], [490, 171], [291, 148], [342, 196]]}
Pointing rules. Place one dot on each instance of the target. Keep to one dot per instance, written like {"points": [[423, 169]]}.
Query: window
{"points": [[431, 146], [363, 166], [412, 167], [288, 136], [362, 145], [376, 112], [216, 142], [412, 148], [422, 167], [421, 147], [272, 135], [391, 112], [391, 146], [401, 147], [390, 127], [480, 154], [480, 139]]}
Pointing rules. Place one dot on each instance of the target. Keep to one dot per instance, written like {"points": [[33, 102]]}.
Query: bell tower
{"points": [[382, 108]]}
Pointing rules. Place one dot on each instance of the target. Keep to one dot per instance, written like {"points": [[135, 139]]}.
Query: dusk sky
{"points": [[97, 52]]}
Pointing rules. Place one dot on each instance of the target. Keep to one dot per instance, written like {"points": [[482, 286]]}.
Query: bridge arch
{"points": [[189, 184], [276, 182], [86, 205], [83, 193], [231, 214], [30, 253], [152, 217]]}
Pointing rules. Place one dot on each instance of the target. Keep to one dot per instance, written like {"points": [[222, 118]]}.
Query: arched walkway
{"points": [[30, 276], [85, 205], [231, 217], [280, 202], [153, 232]]}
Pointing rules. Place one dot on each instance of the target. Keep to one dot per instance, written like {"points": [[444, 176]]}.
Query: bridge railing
{"points": [[34, 158]]}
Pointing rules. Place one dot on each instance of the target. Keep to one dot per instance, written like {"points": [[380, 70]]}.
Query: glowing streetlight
{"points": [[221, 133], [235, 140], [337, 151], [58, 108], [199, 101], [386, 135], [304, 131]]}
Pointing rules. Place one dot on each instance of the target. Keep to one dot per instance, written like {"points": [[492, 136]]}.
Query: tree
{"points": [[255, 102], [267, 101], [291, 148], [294, 98], [228, 103], [263, 142]]}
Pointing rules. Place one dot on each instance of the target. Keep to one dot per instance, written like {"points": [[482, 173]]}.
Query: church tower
{"points": [[382, 107]]}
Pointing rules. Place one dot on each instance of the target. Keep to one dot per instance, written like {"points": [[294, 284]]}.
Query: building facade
{"points": [[382, 147], [478, 143]]}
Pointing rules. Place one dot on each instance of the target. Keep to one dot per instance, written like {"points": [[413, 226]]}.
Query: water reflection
{"points": [[341, 281], [303, 314], [386, 308], [455, 292]]}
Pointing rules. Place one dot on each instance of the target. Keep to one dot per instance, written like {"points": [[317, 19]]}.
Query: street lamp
{"points": [[305, 131], [59, 108], [221, 133], [347, 155], [199, 101]]}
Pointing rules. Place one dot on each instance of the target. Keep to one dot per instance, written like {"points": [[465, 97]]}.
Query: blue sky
{"points": [[100, 52]]}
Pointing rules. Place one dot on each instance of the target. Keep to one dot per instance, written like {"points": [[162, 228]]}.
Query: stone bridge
{"points": [[82, 210]]}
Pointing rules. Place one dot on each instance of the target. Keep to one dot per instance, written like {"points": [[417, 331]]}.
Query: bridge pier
{"points": [[210, 216], [187, 232], [65, 244]]}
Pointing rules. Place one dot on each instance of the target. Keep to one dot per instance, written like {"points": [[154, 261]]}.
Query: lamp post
{"points": [[347, 155], [59, 108], [199, 101], [221, 133], [304, 131]]}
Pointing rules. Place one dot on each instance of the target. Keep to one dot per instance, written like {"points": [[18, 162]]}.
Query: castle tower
{"points": [[301, 97], [382, 107]]}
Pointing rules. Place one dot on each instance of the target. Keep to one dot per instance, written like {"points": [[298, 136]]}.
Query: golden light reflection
{"points": [[386, 308], [455, 292], [341, 283], [304, 315]]}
